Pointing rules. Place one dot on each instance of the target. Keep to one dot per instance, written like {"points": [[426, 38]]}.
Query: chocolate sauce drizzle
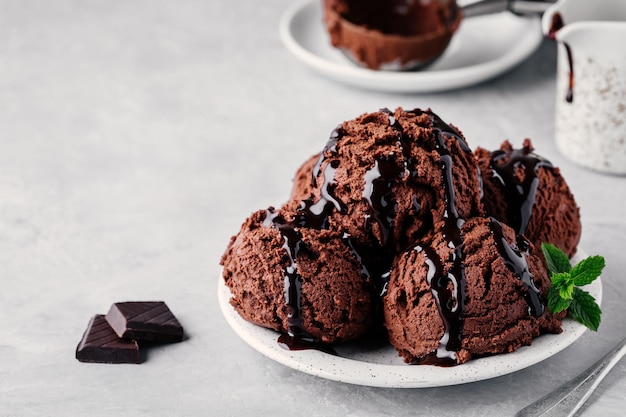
{"points": [[378, 192], [442, 128], [514, 257], [520, 194], [292, 244], [375, 268], [403, 142], [330, 148], [557, 24], [380, 179], [315, 215], [448, 288], [448, 291], [296, 338]]}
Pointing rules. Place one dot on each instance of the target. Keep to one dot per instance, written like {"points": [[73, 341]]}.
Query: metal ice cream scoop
{"points": [[427, 47]]}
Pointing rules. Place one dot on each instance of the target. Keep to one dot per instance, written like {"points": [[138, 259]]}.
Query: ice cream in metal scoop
{"points": [[403, 35]]}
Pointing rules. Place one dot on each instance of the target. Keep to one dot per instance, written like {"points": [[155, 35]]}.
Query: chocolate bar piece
{"points": [[100, 344], [145, 320]]}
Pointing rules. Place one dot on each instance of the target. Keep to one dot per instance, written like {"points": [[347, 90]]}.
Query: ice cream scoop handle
{"points": [[482, 7], [521, 7], [525, 7], [566, 400]]}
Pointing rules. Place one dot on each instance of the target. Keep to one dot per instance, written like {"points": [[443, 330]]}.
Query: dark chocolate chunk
{"points": [[145, 320], [100, 344]]}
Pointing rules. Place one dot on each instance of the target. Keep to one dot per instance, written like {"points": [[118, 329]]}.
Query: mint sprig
{"points": [[565, 292]]}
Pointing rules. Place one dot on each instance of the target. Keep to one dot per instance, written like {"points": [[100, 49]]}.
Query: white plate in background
{"points": [[483, 47]]}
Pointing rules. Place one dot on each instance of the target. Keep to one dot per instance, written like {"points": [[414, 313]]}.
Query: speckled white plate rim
{"points": [[401, 375], [302, 23]]}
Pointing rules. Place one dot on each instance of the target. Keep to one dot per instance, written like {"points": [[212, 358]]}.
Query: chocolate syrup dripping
{"points": [[292, 243], [375, 262], [379, 181], [404, 142], [520, 194], [514, 257], [378, 193], [452, 220], [331, 148], [352, 244], [310, 214], [448, 288], [450, 303], [315, 214], [443, 128], [555, 26], [375, 268], [296, 338], [297, 343]]}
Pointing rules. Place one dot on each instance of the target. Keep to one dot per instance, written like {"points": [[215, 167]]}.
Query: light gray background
{"points": [[136, 136]]}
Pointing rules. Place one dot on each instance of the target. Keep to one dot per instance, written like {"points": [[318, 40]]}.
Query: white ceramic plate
{"points": [[482, 48], [382, 367]]}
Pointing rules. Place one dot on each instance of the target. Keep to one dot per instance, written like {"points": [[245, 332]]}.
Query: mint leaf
{"points": [[560, 279], [585, 309], [556, 259], [587, 270], [566, 280], [556, 303]]}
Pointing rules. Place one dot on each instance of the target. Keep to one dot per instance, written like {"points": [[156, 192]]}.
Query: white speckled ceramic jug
{"points": [[591, 81]]}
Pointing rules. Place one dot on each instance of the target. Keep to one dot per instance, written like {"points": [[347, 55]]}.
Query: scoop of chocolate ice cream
{"points": [[448, 303], [303, 282], [386, 178], [527, 192]]}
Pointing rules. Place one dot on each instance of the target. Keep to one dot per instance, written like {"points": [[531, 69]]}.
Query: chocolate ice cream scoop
{"points": [[305, 283], [524, 190], [485, 295], [385, 178]]}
